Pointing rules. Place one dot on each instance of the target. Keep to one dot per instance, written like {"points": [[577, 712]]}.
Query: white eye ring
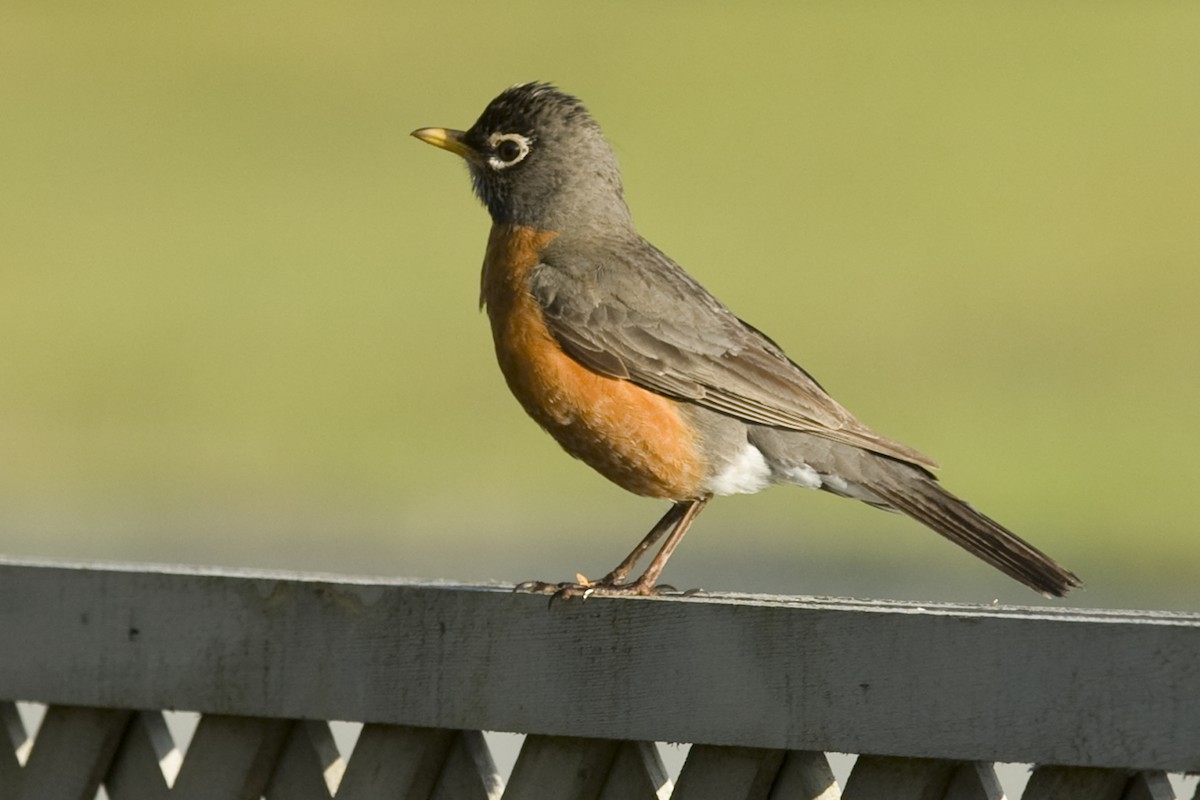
{"points": [[496, 140]]}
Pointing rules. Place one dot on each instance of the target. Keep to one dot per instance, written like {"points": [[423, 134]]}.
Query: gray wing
{"points": [[633, 314]]}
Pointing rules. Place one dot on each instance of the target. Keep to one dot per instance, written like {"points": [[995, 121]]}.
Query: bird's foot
{"points": [[567, 589], [584, 588]]}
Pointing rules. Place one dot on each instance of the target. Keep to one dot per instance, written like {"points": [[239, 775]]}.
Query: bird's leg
{"points": [[677, 520], [645, 584], [620, 573]]}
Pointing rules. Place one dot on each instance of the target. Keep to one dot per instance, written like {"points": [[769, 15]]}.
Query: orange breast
{"points": [[633, 437]]}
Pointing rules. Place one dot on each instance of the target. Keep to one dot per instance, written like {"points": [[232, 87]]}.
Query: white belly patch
{"points": [[747, 473]]}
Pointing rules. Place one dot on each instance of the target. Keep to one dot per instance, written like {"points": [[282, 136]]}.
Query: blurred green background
{"points": [[238, 303]]}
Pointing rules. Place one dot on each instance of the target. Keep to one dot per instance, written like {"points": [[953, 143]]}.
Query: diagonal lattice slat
{"points": [[975, 780], [70, 755], [310, 767], [892, 778], [1149, 786], [637, 771], [139, 770], [736, 773], [419, 763], [15, 744], [805, 775], [396, 758], [569, 768], [748, 773], [1078, 783], [469, 772], [230, 757], [573, 768]]}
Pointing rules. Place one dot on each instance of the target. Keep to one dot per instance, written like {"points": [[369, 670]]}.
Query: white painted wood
{"points": [[1149, 786], [230, 757], [139, 769], [728, 773], [70, 755], [964, 683], [1076, 783], [395, 761], [805, 775], [469, 773], [310, 767]]}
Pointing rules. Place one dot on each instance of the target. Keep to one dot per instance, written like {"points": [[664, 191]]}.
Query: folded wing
{"points": [[647, 321]]}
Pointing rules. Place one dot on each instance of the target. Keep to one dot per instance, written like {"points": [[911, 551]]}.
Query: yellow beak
{"points": [[447, 140]]}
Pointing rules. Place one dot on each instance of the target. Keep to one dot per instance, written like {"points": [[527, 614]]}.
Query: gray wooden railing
{"points": [[763, 687]]}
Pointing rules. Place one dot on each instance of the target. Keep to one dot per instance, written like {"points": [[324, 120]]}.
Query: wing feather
{"points": [[632, 313]]}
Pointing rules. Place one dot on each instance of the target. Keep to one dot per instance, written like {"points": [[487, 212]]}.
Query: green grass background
{"points": [[238, 305]]}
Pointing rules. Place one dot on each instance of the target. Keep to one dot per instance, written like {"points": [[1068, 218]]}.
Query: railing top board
{"points": [[993, 683]]}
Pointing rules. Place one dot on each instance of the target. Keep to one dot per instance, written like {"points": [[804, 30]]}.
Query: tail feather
{"points": [[922, 498]]}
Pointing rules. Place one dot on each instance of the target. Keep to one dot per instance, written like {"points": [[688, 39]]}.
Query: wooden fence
{"points": [[762, 687]]}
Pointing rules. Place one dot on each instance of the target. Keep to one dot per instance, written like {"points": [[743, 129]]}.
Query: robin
{"points": [[635, 369]]}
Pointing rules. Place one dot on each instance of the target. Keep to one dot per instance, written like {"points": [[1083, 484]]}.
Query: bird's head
{"points": [[537, 158]]}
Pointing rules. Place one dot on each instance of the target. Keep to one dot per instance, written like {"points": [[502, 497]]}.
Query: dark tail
{"points": [[922, 498]]}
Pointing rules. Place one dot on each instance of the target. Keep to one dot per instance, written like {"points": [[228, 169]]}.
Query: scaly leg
{"points": [[645, 584], [677, 520]]}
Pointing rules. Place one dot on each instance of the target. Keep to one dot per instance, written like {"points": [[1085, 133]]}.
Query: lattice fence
{"points": [[762, 686], [134, 757]]}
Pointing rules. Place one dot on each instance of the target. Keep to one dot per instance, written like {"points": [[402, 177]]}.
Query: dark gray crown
{"points": [[570, 176]]}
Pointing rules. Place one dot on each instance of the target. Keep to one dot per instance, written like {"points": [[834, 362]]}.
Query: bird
{"points": [[636, 369]]}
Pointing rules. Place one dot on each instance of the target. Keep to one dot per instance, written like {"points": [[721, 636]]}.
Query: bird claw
{"points": [[535, 587], [584, 588]]}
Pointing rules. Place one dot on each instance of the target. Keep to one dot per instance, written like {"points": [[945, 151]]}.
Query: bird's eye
{"points": [[507, 149]]}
